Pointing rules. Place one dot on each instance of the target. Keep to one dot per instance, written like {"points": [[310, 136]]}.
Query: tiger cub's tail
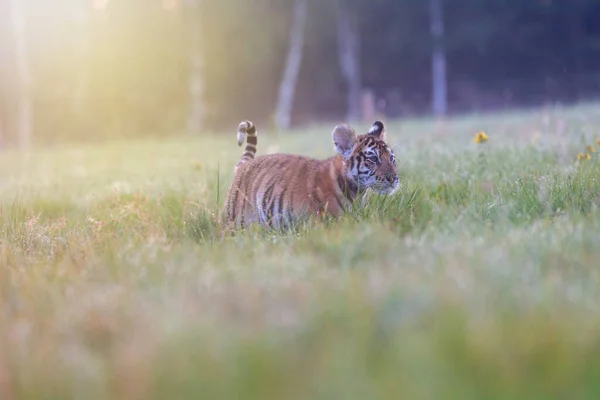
{"points": [[247, 130]]}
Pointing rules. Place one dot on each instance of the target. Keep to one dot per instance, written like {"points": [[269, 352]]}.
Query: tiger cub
{"points": [[280, 190]]}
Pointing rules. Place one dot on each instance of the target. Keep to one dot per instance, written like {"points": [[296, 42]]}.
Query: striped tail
{"points": [[247, 130]]}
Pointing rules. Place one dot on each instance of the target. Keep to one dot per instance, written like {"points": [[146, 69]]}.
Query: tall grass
{"points": [[479, 279]]}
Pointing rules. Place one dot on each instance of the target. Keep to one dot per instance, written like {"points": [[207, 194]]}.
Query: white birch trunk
{"points": [[349, 59], [438, 59], [287, 87], [24, 101], [196, 72]]}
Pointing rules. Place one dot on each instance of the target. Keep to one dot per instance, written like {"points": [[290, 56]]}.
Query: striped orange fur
{"points": [[280, 190]]}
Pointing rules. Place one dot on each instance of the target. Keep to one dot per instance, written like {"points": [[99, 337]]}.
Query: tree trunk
{"points": [[196, 71], [24, 101], [349, 58], [438, 59], [287, 87], [80, 17]]}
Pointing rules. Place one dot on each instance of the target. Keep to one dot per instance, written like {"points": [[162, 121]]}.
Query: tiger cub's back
{"points": [[278, 190]]}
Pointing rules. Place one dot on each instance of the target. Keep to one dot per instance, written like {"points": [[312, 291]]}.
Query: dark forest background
{"points": [[77, 69]]}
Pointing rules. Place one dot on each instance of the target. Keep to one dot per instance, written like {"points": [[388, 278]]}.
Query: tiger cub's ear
{"points": [[377, 130], [344, 139]]}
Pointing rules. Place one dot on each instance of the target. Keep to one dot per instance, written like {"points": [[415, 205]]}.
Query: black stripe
{"points": [[252, 140], [233, 204], [342, 184], [280, 202], [269, 211], [256, 189], [266, 197], [270, 202], [271, 208], [267, 200], [341, 181], [350, 194], [348, 187], [281, 164], [339, 202], [353, 187], [261, 180]]}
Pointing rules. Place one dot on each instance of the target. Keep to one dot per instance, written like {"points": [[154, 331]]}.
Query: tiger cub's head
{"points": [[369, 162]]}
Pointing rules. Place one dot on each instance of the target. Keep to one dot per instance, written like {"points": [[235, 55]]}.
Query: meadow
{"points": [[478, 279]]}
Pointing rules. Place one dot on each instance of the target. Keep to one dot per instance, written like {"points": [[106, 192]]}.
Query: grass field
{"points": [[479, 279]]}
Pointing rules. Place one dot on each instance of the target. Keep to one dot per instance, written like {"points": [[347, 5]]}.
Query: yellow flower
{"points": [[598, 142], [481, 137], [582, 156], [591, 148]]}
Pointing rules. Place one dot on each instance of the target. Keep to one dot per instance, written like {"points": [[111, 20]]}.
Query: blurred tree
{"points": [[158, 67], [6, 58], [244, 45], [196, 69], [438, 58], [349, 55], [80, 18], [287, 87], [24, 100]]}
